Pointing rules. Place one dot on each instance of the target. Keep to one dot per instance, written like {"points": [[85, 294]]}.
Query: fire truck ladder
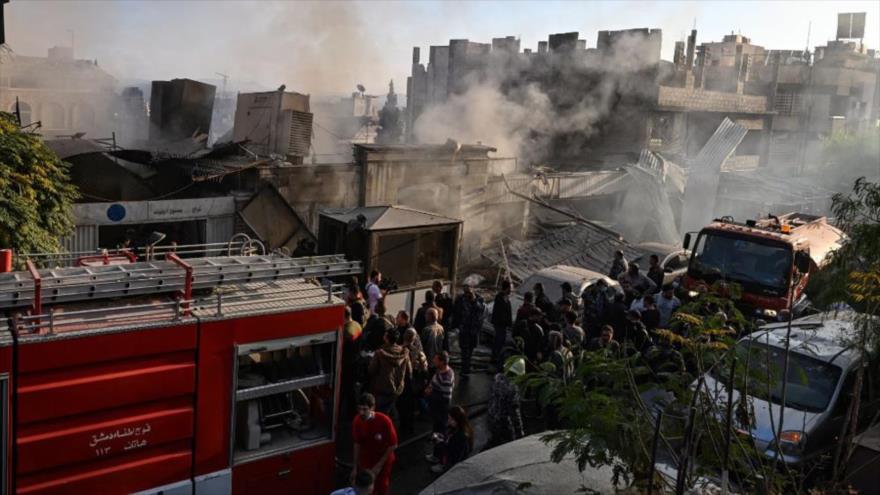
{"points": [[37, 287]]}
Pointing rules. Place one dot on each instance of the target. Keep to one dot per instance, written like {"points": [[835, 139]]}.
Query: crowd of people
{"points": [[397, 368], [603, 317]]}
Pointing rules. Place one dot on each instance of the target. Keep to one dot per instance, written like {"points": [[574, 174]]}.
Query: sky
{"points": [[330, 47]]}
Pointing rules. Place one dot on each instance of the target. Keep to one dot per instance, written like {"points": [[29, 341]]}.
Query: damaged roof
{"points": [[65, 148], [423, 147], [580, 245], [389, 217]]}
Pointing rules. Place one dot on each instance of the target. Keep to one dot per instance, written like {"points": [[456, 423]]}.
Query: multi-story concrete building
{"points": [[789, 100], [809, 96], [563, 68], [66, 95]]}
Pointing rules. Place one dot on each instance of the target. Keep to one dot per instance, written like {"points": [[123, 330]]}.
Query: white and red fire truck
{"points": [[770, 258], [203, 375]]}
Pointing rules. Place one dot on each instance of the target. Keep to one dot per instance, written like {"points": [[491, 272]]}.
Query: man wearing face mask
{"points": [[375, 441]]}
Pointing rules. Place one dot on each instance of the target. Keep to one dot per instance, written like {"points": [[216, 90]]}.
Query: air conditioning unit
{"points": [[274, 122]]}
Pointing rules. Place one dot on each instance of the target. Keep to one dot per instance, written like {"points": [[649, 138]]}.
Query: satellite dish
{"points": [[361, 88]]}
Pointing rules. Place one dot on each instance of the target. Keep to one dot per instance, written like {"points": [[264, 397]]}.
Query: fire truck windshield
{"points": [[759, 266]]}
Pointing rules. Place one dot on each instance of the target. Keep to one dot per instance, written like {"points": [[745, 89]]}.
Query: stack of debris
{"points": [[582, 245]]}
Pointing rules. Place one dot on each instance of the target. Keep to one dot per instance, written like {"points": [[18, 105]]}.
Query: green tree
{"points": [[853, 276], [610, 405], [858, 215], [35, 192]]}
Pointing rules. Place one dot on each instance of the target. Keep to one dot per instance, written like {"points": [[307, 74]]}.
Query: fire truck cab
{"points": [[207, 375], [771, 259]]}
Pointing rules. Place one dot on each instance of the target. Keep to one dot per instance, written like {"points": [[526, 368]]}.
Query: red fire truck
{"points": [[204, 375], [771, 258]]}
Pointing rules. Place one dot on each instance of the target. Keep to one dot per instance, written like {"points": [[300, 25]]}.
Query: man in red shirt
{"points": [[374, 443]]}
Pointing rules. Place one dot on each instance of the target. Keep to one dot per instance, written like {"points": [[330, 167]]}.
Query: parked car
{"points": [[820, 386], [673, 259], [552, 279]]}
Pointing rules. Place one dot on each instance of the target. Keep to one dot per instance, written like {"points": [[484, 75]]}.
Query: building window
{"points": [[83, 117], [25, 109], [750, 145], [397, 258], [839, 106], [788, 104], [417, 258], [435, 255], [53, 116], [284, 395]]}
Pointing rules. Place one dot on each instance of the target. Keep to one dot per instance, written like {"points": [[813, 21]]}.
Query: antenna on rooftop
{"points": [[809, 28], [72, 42]]}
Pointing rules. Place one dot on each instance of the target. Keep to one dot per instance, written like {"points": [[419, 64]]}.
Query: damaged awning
{"points": [[274, 221]]}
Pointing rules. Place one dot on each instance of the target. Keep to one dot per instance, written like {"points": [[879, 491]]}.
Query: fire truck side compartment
{"points": [[130, 395], [103, 412], [216, 364]]}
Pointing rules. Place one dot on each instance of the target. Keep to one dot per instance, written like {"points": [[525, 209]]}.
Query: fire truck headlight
{"points": [[767, 313], [792, 442]]}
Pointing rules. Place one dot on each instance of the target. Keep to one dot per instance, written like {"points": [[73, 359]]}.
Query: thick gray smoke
{"points": [[527, 106], [312, 47]]}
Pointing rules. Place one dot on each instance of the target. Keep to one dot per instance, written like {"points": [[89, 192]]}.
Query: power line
{"points": [[328, 131], [163, 196]]}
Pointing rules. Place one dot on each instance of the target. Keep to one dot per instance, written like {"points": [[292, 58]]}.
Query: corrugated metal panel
{"points": [[84, 238], [219, 229], [578, 245], [705, 172], [649, 160], [555, 186], [588, 184]]}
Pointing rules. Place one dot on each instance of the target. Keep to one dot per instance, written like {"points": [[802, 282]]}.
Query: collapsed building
{"points": [[630, 174]]}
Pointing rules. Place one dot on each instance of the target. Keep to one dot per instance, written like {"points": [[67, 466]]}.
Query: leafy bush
{"points": [[35, 192]]}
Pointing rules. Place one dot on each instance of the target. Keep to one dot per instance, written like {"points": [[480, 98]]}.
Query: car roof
{"points": [[566, 273], [823, 336], [657, 248]]}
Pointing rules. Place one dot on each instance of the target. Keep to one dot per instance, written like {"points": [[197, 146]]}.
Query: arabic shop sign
{"points": [[133, 212], [120, 439]]}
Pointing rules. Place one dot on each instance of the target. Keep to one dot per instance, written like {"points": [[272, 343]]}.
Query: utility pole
{"points": [[2, 23], [809, 28]]}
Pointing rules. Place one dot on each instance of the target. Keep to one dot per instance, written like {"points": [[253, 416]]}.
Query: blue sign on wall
{"points": [[116, 212]]}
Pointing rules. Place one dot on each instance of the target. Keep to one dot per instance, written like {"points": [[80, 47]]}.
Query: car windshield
{"points": [[811, 382], [757, 266]]}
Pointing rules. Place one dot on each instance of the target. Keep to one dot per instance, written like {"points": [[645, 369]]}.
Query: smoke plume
{"points": [[536, 106]]}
